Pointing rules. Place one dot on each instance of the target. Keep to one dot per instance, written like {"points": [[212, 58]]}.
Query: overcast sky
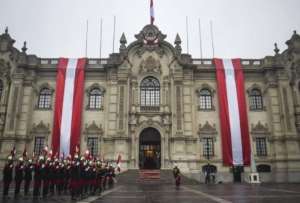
{"points": [[242, 28]]}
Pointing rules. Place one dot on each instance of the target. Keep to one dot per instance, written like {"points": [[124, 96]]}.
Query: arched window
{"points": [[205, 99], [45, 99], [1, 89], [256, 100], [95, 99], [150, 93]]}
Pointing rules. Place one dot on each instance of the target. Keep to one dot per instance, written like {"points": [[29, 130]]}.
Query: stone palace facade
{"points": [[157, 107]]}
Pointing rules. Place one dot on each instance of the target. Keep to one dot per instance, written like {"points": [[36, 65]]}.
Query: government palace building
{"points": [[157, 107]]}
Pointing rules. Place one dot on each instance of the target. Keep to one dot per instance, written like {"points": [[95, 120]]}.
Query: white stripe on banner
{"points": [[66, 118], [233, 111]]}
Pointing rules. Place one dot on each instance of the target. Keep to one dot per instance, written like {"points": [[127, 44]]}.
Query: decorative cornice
{"points": [[93, 129], [260, 129], [207, 130], [95, 85], [40, 128]]}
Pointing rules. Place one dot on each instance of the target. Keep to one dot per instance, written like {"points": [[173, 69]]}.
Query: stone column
{"points": [[277, 123]]}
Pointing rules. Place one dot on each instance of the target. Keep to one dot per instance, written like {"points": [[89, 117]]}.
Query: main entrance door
{"points": [[150, 149]]}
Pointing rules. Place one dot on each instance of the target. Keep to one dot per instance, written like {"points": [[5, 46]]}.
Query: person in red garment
{"points": [[19, 175], [176, 173], [7, 176]]}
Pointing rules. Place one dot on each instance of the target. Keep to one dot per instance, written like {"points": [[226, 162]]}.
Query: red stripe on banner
{"points": [[77, 105], [239, 78], [60, 86], [224, 115]]}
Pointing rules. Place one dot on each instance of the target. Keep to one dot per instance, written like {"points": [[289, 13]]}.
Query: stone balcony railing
{"points": [[91, 61], [245, 62]]}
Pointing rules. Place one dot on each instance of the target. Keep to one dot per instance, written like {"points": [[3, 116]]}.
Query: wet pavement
{"points": [[164, 191], [130, 189]]}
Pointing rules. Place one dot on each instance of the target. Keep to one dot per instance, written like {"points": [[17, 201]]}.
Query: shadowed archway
{"points": [[150, 149]]}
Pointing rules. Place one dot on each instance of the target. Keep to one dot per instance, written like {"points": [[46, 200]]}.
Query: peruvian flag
{"points": [[151, 12], [68, 105], [233, 112]]}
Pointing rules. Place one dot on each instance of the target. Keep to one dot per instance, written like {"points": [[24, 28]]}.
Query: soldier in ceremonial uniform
{"points": [[7, 175], [19, 175], [28, 176], [51, 177], [37, 177], [105, 176], [99, 176], [66, 178], [45, 177], [60, 177], [176, 173], [75, 177], [111, 176]]}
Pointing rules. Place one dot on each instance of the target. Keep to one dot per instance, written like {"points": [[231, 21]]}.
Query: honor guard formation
{"points": [[46, 175]]}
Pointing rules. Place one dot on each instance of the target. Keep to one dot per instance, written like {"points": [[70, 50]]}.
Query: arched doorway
{"points": [[150, 149]]}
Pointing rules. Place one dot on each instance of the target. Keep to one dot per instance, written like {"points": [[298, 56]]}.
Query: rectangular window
{"points": [[39, 144], [92, 144], [261, 146], [208, 147]]}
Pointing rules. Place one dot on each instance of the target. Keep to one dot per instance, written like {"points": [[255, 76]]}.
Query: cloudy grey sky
{"points": [[242, 28]]}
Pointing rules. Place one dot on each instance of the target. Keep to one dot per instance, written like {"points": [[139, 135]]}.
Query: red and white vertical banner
{"points": [[68, 105], [151, 12], [233, 112]]}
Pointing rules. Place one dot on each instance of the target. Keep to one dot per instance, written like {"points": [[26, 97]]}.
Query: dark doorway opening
{"points": [[150, 149], [237, 173]]}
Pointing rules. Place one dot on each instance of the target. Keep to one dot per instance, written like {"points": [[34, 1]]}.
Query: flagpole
{"points": [[151, 12], [100, 48], [187, 34], [86, 37], [212, 38], [114, 33], [200, 38]]}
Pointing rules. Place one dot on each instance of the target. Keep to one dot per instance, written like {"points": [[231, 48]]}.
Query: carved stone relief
{"points": [[259, 130], [207, 130], [93, 130], [150, 65]]}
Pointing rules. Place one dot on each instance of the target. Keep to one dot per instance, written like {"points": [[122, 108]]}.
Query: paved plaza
{"points": [[131, 189]]}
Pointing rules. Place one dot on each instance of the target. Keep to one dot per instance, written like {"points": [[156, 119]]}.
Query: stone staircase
{"points": [[151, 177]]}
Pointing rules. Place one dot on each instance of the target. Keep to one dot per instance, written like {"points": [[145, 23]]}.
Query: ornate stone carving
{"points": [[150, 37], [150, 65], [95, 85], [93, 129], [207, 130], [6, 42], [37, 89], [259, 130], [206, 86], [41, 128], [256, 86], [4, 70]]}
